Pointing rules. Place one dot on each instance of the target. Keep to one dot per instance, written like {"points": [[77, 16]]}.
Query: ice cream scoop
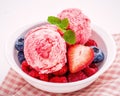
{"points": [[45, 50], [43, 26], [78, 22]]}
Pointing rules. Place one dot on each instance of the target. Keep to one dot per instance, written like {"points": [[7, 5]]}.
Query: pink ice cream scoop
{"points": [[79, 23], [45, 50], [42, 26]]}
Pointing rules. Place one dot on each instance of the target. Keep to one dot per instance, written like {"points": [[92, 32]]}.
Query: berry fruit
{"points": [[44, 77], [21, 57], [91, 42], [90, 71], [72, 77], [62, 71], [25, 67], [93, 65], [34, 73], [79, 57], [98, 54], [57, 79], [19, 44]]}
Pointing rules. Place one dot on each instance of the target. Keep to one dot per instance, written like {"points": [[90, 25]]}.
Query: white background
{"points": [[14, 14]]}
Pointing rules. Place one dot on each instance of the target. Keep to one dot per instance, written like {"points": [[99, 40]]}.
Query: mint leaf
{"points": [[69, 37], [64, 23], [54, 20]]}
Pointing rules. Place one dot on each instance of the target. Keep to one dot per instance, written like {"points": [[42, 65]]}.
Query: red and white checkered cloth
{"points": [[107, 84]]}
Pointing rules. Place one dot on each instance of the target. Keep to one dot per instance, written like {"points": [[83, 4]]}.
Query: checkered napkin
{"points": [[107, 84]]}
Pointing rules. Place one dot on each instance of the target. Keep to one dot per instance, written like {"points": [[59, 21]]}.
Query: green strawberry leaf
{"points": [[69, 37], [54, 20], [64, 23]]}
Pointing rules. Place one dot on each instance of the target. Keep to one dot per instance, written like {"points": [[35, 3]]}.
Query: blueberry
{"points": [[21, 40], [19, 44], [98, 54], [21, 57]]}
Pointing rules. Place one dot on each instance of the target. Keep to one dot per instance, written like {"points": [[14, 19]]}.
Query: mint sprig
{"points": [[54, 20], [64, 23], [69, 35]]}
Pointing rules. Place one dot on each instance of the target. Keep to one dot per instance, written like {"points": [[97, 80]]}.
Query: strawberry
{"points": [[91, 42], [72, 77], [79, 57], [61, 71], [89, 71], [58, 79]]}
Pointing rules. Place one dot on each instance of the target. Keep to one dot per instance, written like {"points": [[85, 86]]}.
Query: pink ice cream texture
{"points": [[78, 22], [45, 50]]}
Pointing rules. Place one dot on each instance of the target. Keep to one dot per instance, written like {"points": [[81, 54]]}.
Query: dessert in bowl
{"points": [[77, 55]]}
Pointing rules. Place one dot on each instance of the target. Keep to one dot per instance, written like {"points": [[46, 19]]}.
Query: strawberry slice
{"points": [[79, 57]]}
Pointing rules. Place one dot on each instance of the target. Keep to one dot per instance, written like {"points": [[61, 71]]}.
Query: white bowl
{"points": [[104, 41]]}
